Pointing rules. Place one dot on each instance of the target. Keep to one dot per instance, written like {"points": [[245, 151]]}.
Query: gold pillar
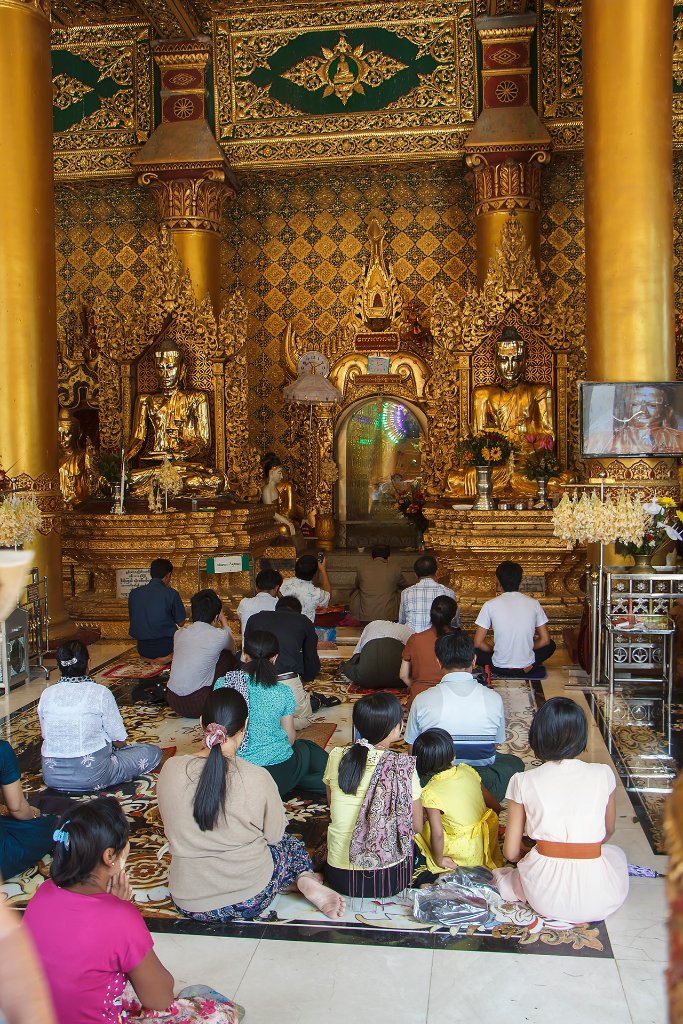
{"points": [[185, 167], [628, 189], [28, 331]]}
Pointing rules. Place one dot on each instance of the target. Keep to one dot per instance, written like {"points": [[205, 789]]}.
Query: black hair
{"points": [[226, 707], [509, 575], [159, 568], [455, 649], [380, 551], [374, 717], [441, 614], [72, 658], [89, 829], [425, 565], [559, 729], [434, 751], [268, 579], [306, 567], [261, 646], [205, 605], [288, 602], [269, 461]]}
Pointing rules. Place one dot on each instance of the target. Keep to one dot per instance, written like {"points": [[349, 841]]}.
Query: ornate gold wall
{"points": [[297, 242]]}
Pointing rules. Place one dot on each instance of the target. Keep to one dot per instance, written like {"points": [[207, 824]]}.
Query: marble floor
{"points": [[295, 982]]}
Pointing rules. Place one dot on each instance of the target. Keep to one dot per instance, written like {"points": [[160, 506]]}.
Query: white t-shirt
{"points": [[311, 597], [248, 606], [380, 629], [514, 618]]}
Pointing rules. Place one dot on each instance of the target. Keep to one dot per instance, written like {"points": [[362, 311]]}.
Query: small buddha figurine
{"points": [[278, 491], [177, 423], [75, 471], [516, 408]]}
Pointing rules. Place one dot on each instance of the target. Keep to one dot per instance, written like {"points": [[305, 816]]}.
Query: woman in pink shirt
{"points": [[92, 942]]}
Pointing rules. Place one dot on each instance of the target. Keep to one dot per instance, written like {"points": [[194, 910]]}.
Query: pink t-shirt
{"points": [[87, 945]]}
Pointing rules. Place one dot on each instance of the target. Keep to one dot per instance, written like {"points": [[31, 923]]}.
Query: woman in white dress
{"points": [[568, 807]]}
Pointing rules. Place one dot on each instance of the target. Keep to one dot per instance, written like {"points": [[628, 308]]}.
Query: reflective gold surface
{"points": [[28, 343], [628, 190]]}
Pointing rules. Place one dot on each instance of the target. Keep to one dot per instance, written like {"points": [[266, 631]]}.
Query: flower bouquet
{"points": [[410, 503], [634, 526], [20, 519], [486, 447], [664, 522], [541, 463]]}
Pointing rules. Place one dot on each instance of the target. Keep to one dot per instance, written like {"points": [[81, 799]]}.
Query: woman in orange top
{"points": [[420, 668]]}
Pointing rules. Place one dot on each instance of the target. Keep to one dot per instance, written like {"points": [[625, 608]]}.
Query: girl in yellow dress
{"points": [[461, 826]]}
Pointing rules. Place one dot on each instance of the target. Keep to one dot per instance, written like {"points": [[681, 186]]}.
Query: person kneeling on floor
{"points": [[520, 626], [470, 712], [156, 611]]}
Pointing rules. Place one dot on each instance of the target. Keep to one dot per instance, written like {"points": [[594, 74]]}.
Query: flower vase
{"points": [[643, 563], [484, 501], [542, 492]]}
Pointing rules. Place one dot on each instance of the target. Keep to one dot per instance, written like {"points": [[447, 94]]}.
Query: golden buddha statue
{"points": [[518, 409], [75, 470], [179, 422], [279, 492]]}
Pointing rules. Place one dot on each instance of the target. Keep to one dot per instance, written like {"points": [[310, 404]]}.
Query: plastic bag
{"points": [[463, 896]]}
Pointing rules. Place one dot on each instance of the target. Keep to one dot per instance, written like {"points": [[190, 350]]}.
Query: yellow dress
{"points": [[470, 828]]}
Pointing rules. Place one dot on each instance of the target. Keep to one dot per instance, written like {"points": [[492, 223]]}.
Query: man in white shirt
{"points": [[202, 652], [521, 641], [268, 583], [376, 661], [470, 712], [416, 601], [302, 587]]}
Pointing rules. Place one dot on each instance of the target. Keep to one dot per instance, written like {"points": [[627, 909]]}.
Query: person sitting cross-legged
{"points": [[227, 830], [377, 588], [376, 661], [25, 834], [521, 640], [84, 738], [416, 601], [469, 711], [301, 585], [156, 611], [297, 661], [202, 652], [268, 582], [420, 668]]}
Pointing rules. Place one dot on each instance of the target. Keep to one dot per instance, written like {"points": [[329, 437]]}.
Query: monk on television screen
{"points": [[631, 419]]}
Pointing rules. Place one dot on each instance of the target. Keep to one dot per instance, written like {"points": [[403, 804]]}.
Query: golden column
{"points": [[628, 189], [184, 165], [508, 146], [28, 329]]}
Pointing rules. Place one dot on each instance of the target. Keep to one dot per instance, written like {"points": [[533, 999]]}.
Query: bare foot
{"points": [[327, 900]]}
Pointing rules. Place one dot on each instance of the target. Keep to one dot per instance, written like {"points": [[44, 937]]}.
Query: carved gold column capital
{"points": [[47, 493], [39, 7], [189, 203], [512, 184]]}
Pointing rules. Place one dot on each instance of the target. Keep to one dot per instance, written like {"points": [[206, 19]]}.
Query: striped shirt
{"points": [[416, 603]]}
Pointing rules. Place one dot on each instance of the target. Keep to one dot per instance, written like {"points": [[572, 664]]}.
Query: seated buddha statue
{"points": [[75, 469], [173, 423], [278, 492], [518, 409]]}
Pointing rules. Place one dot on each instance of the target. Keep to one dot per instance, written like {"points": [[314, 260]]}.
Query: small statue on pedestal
{"points": [[75, 470], [278, 491]]}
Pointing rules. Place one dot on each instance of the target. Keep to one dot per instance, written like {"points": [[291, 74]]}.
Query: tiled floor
{"points": [[280, 982]]}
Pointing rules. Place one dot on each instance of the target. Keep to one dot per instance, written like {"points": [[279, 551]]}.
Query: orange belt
{"points": [[569, 851]]}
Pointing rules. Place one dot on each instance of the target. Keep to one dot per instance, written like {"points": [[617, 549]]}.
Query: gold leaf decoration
{"points": [[343, 70], [67, 90]]}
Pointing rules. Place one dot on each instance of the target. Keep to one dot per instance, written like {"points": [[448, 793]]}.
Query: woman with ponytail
{"points": [[272, 743], [93, 944], [225, 824], [420, 668], [375, 808]]}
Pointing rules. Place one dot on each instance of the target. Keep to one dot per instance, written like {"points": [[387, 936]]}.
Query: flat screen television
{"points": [[642, 418]]}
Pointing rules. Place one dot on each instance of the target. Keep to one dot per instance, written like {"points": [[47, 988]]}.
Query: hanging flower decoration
{"points": [[20, 520], [636, 527]]}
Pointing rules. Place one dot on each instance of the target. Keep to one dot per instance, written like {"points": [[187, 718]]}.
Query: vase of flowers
{"points": [[664, 523], [409, 502], [484, 450], [541, 464]]}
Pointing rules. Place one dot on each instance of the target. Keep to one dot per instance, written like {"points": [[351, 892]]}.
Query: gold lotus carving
{"points": [[343, 70]]}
